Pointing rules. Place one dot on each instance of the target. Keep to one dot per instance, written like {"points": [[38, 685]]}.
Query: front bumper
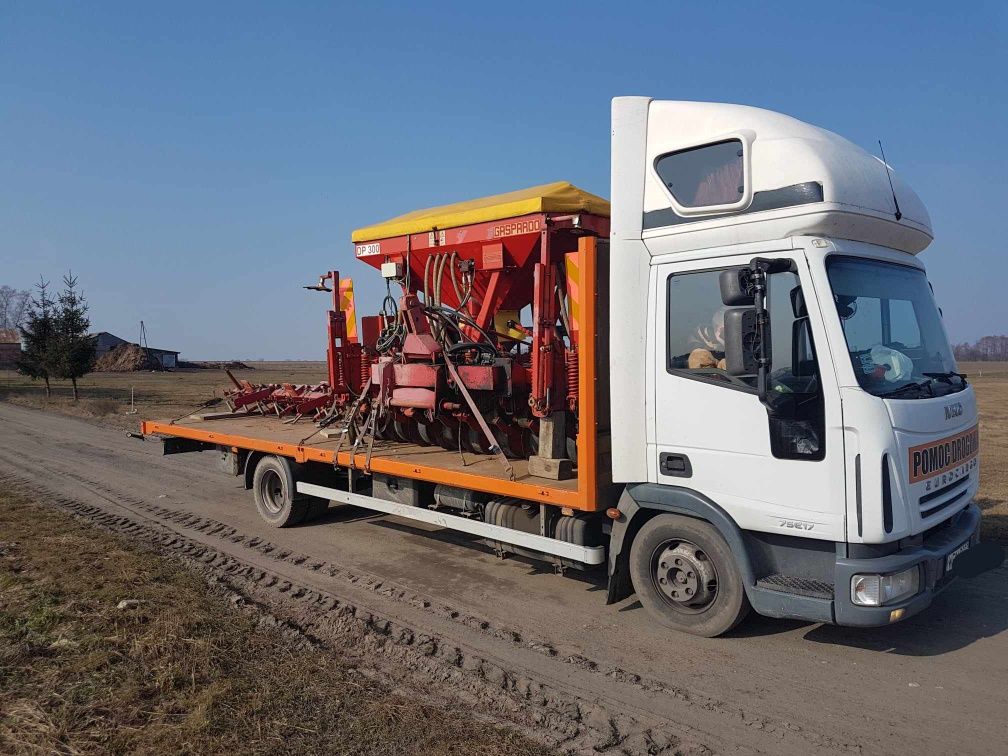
{"points": [[931, 555]]}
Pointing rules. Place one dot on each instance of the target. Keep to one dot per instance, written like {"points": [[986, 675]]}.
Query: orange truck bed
{"points": [[478, 472]]}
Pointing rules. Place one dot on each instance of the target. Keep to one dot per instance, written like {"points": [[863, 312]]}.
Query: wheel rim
{"points": [[272, 489], [476, 441], [432, 433], [399, 431], [685, 576]]}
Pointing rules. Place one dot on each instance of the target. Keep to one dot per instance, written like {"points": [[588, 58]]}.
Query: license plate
{"points": [[951, 557]]}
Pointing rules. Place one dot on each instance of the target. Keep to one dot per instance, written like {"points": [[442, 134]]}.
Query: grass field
{"points": [[106, 400], [990, 379], [83, 673], [106, 396]]}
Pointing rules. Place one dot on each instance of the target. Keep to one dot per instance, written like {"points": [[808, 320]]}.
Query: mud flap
{"points": [[619, 586]]}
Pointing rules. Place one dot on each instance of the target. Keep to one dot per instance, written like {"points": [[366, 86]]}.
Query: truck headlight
{"points": [[878, 590]]}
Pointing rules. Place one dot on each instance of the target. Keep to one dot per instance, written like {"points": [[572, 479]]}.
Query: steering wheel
{"points": [[723, 374]]}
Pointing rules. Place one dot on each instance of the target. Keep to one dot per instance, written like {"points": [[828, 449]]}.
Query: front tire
{"points": [[686, 577], [275, 493]]}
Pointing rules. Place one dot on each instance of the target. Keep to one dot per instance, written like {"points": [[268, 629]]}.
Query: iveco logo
{"points": [[953, 410]]}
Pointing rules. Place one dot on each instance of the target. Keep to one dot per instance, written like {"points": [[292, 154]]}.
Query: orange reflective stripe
{"points": [[572, 262], [346, 302]]}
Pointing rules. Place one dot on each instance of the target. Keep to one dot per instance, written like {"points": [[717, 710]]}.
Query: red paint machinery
{"points": [[449, 361]]}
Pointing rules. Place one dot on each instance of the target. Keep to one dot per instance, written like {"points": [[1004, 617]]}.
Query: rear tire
{"points": [[686, 577], [275, 492]]}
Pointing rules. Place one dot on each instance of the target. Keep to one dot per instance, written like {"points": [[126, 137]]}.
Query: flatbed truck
{"points": [[736, 392]]}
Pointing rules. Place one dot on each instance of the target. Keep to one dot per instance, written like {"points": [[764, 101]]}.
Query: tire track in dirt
{"points": [[576, 715], [779, 687], [565, 719]]}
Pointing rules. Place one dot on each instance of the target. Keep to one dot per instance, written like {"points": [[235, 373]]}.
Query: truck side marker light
{"points": [[613, 513], [896, 615]]}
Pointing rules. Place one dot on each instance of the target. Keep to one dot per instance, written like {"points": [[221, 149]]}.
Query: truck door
{"points": [[710, 432]]}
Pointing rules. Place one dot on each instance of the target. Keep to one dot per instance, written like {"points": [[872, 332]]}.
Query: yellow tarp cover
{"points": [[558, 197]]}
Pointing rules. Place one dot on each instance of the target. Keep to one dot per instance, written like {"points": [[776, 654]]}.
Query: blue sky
{"points": [[196, 163]]}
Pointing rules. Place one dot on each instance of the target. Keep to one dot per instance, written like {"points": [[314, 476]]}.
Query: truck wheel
{"points": [[275, 493], [686, 577]]}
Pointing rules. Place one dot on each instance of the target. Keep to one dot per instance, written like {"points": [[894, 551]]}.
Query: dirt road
{"points": [[521, 645]]}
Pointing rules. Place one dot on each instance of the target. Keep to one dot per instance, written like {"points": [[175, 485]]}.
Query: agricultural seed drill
{"points": [[449, 361]]}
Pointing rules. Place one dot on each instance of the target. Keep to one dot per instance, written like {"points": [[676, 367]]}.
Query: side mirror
{"points": [[741, 338], [845, 306], [736, 290]]}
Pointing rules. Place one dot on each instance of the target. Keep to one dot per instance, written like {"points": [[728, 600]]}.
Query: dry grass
{"points": [[79, 676], [990, 380], [106, 398]]}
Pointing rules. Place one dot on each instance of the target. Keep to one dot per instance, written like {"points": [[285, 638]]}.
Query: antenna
{"points": [[889, 176]]}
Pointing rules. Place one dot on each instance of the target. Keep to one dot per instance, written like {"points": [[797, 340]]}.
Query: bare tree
{"points": [[13, 305], [986, 349]]}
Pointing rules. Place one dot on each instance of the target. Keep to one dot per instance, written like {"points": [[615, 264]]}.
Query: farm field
{"points": [[990, 379], [105, 397]]}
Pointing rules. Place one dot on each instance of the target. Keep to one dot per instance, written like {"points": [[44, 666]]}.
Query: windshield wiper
{"points": [[947, 377], [920, 386]]}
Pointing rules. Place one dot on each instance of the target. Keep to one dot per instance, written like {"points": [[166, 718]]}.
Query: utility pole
{"points": [[146, 348]]}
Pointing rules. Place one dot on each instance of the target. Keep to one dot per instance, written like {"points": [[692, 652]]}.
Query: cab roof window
{"points": [[704, 176]]}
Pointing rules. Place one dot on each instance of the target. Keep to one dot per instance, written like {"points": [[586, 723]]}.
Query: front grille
{"points": [[946, 496], [939, 527], [797, 586]]}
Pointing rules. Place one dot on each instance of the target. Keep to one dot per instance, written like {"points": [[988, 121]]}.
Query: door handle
{"points": [[676, 465]]}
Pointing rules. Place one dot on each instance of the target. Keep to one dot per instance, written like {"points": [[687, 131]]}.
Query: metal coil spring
{"points": [[365, 370], [340, 371], [572, 378]]}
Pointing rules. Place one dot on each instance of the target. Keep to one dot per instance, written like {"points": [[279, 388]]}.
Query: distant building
{"points": [[105, 342], [169, 360], [10, 348]]}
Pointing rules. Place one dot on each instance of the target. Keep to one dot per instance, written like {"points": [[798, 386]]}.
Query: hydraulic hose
{"points": [[449, 315], [451, 271], [426, 268]]}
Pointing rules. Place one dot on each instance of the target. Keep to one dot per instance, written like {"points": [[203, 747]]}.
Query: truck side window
{"points": [[704, 176], [794, 372], [696, 327], [793, 362]]}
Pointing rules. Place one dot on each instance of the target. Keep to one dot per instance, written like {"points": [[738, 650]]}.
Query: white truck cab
{"points": [[780, 374]]}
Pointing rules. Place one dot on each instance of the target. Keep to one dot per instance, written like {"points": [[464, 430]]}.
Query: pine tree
{"points": [[75, 348], [38, 360]]}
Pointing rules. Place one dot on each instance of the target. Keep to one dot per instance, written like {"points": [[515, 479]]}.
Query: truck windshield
{"points": [[893, 329]]}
